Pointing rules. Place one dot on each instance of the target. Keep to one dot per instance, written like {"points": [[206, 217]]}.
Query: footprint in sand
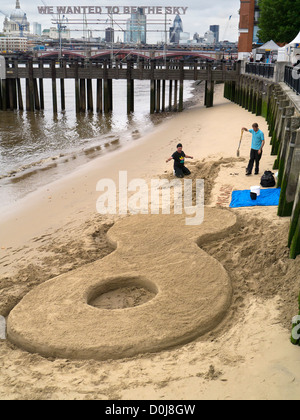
{"points": [[185, 293]]}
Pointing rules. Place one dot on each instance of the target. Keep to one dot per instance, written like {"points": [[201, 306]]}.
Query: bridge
{"points": [[83, 71], [121, 53]]}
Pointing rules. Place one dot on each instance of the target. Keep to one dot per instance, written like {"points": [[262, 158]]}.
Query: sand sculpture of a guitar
{"points": [[157, 252]]}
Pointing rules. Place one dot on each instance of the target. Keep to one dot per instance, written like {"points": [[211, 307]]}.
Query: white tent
{"points": [[291, 52], [296, 42], [268, 46], [269, 49]]}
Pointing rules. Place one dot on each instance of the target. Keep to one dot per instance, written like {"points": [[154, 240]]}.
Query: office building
{"points": [[37, 29], [55, 34], [109, 35], [176, 30], [136, 28], [248, 27], [13, 44], [209, 38], [216, 31]]}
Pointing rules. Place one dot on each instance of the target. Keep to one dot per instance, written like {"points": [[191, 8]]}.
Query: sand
{"points": [[245, 355]]}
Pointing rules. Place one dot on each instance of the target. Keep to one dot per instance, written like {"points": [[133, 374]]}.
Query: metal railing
{"points": [[292, 78], [259, 69]]}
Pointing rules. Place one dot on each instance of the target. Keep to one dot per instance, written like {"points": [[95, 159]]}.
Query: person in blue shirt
{"points": [[258, 142]]}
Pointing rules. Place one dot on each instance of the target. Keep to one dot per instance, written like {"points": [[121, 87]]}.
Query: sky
{"points": [[198, 17]]}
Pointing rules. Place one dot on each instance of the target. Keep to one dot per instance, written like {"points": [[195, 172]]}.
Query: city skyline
{"points": [[198, 18]]}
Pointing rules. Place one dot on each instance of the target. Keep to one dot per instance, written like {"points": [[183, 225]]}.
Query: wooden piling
{"points": [[63, 65], [54, 90], [77, 88], [82, 95], [108, 91], [89, 86], [36, 95], [29, 88], [106, 96], [99, 108], [11, 94], [41, 87], [130, 96], [62, 95], [285, 140], [176, 96], [152, 88], [170, 94], [294, 232], [163, 104], [14, 87], [158, 96], [290, 177], [27, 95], [180, 107], [152, 96], [20, 98], [181, 96], [130, 88], [110, 94]]}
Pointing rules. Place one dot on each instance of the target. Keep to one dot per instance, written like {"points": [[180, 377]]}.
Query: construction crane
{"points": [[226, 28], [22, 25]]}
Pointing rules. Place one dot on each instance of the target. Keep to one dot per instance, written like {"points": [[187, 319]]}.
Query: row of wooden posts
{"points": [[11, 94], [11, 97], [274, 103]]}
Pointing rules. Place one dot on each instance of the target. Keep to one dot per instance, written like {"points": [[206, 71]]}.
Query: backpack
{"points": [[267, 180]]}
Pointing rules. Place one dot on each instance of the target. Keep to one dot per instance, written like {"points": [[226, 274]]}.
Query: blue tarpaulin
{"points": [[267, 197]]}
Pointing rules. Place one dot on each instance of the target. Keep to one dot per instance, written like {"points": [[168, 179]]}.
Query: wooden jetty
{"points": [[83, 71]]}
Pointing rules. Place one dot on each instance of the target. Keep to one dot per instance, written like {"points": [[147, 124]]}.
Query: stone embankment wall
{"points": [[280, 106]]}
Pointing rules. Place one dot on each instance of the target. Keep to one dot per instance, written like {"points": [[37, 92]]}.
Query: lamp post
{"points": [[61, 28]]}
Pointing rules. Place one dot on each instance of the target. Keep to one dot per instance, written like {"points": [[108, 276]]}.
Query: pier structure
{"points": [[83, 71]]}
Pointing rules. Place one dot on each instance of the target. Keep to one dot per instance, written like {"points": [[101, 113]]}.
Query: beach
{"points": [[56, 229]]}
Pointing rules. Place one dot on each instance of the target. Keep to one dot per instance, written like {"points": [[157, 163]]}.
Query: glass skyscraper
{"points": [[176, 30], [136, 30], [216, 31]]}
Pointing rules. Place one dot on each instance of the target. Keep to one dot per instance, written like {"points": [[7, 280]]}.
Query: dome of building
{"points": [[17, 24], [17, 13]]}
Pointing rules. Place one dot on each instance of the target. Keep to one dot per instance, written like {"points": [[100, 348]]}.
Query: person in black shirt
{"points": [[178, 157]]}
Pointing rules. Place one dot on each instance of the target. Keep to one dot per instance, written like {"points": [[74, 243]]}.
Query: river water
{"points": [[39, 147]]}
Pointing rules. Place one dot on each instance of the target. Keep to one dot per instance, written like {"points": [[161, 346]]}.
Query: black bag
{"points": [[267, 180]]}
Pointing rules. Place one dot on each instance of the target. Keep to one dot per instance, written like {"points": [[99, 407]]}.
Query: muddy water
{"points": [[40, 147]]}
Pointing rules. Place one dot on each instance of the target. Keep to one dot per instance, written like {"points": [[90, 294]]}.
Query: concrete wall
{"points": [[280, 106]]}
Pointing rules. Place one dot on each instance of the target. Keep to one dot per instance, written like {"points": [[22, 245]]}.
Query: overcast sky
{"points": [[199, 15]]}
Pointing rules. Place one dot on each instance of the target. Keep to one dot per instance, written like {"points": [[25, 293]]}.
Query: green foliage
{"points": [[279, 20]]}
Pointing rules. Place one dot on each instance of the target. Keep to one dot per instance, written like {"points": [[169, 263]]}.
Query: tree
{"points": [[279, 20]]}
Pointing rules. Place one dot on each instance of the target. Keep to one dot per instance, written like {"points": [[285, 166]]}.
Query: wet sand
{"points": [[57, 229]]}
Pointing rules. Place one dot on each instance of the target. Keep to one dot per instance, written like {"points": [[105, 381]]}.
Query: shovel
{"points": [[238, 150]]}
